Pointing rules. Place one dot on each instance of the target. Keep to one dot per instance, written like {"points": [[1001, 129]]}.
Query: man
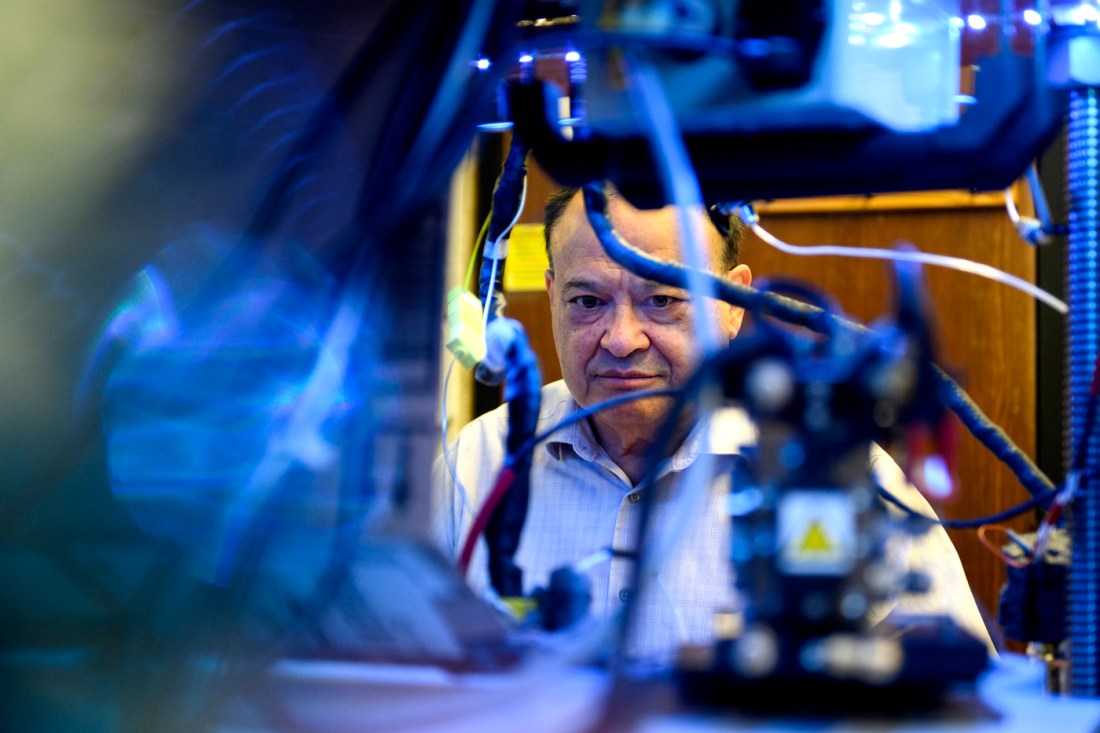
{"points": [[617, 333]]}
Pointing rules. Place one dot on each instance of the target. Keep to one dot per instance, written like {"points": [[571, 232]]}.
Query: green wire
{"points": [[473, 255]]}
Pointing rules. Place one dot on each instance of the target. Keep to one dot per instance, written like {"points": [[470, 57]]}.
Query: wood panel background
{"points": [[987, 331]]}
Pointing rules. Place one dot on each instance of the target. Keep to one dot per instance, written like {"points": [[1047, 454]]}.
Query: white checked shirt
{"points": [[582, 503]]}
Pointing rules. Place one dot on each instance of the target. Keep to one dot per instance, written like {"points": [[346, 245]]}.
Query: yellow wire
{"points": [[477, 245]]}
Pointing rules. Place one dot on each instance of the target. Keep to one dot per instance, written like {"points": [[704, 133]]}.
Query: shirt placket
{"points": [[626, 530]]}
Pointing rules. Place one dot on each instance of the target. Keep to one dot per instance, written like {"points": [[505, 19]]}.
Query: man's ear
{"points": [[743, 276], [550, 283]]}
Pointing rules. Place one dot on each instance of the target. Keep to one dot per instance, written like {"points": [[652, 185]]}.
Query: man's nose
{"points": [[625, 333]]}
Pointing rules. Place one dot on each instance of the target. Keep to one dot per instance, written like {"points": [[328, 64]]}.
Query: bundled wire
{"points": [[984, 536], [673, 273], [509, 196], [500, 489], [990, 435], [502, 516], [1064, 496]]}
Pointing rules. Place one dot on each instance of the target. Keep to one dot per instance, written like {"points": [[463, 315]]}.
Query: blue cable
{"points": [[587, 412], [992, 436], [1009, 513]]}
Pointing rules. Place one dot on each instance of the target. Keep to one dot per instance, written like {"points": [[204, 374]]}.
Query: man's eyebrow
{"points": [[580, 283]]}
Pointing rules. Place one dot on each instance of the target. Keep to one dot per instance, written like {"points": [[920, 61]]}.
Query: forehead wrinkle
{"points": [[632, 283], [588, 281], [579, 283]]}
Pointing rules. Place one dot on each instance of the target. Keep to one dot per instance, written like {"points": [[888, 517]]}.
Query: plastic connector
{"points": [[522, 609], [565, 600], [465, 330]]}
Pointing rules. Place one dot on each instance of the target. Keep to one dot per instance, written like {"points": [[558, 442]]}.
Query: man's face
{"points": [[616, 332]]}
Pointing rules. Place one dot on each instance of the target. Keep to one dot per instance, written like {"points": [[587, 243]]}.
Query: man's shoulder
{"points": [[556, 398]]}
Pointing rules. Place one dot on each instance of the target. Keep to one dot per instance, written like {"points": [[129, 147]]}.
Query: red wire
{"points": [[500, 488], [1016, 562]]}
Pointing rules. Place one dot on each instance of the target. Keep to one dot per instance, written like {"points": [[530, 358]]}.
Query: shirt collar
{"points": [[724, 432], [578, 436]]}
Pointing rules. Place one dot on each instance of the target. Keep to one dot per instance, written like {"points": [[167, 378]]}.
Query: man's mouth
{"points": [[629, 378]]}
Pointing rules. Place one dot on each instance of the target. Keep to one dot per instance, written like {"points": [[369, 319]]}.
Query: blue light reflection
{"points": [[227, 407]]}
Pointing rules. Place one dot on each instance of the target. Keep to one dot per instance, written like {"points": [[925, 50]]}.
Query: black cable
{"points": [[673, 273], [523, 391], [766, 303], [991, 435], [672, 41], [812, 317], [586, 412]]}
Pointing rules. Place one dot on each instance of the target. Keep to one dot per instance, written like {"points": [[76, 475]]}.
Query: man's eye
{"points": [[662, 301], [586, 301]]}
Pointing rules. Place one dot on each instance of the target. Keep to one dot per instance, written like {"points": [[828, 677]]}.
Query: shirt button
{"points": [[624, 595], [634, 498]]}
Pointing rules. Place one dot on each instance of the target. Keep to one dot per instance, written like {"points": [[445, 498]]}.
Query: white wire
{"points": [[447, 458], [1010, 207], [489, 298], [491, 247], [596, 558], [955, 263]]}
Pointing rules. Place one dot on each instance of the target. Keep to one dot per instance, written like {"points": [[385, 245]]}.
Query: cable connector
{"points": [[1032, 231], [465, 329], [499, 338], [747, 214]]}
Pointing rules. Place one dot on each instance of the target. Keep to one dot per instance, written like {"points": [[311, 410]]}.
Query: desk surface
{"points": [[543, 698], [1009, 699]]}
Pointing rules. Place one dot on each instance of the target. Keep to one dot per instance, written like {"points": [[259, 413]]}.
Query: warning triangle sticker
{"points": [[815, 540]]}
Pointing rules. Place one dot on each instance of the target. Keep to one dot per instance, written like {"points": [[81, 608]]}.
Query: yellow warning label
{"points": [[527, 263], [816, 532], [816, 540]]}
